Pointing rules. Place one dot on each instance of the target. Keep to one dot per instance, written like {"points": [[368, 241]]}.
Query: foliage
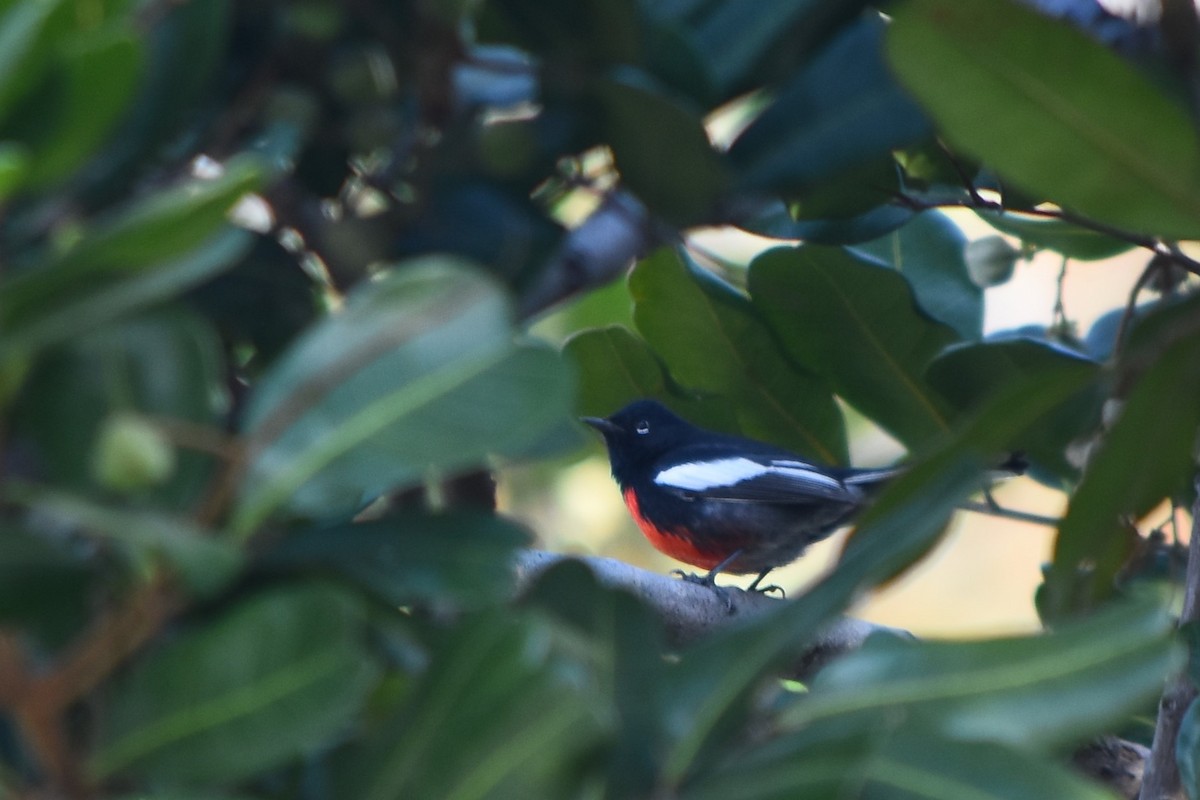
{"points": [[268, 274]]}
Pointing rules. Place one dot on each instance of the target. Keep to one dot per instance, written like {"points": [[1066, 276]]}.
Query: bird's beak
{"points": [[601, 424]]}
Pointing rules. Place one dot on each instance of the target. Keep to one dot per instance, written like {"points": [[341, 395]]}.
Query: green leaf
{"points": [[879, 758], [1058, 235], [25, 44], [418, 371], [714, 341], [1146, 456], [64, 127], [280, 674], [928, 252], [614, 367], [205, 563], [967, 374], [842, 113], [662, 152], [14, 164], [1083, 129], [411, 557], [1049, 690], [857, 325], [1187, 751], [493, 715]]}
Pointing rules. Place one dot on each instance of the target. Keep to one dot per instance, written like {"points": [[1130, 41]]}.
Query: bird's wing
{"points": [[753, 478]]}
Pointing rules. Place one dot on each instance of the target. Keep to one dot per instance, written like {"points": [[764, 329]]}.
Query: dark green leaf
{"points": [[418, 371], [856, 324], [1146, 456], [841, 113], [662, 152], [614, 367], [1058, 235], [879, 758], [14, 163], [412, 557], [44, 586], [1040, 691], [714, 341], [777, 223], [928, 251], [96, 79], [26, 31], [1083, 129], [967, 374], [1187, 751], [275, 677], [493, 716]]}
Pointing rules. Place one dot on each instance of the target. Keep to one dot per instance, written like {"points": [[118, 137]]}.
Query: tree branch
{"points": [[1162, 780]]}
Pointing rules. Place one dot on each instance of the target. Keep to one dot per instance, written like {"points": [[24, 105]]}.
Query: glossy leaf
{"points": [[857, 325], [1041, 691], [1058, 235], [844, 111], [967, 374], [615, 367], [1144, 457], [713, 341], [411, 557], [662, 152], [491, 716], [45, 585], [418, 371], [928, 252], [1098, 138], [776, 223], [218, 704]]}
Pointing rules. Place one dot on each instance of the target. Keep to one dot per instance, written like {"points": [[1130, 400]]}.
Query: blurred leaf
{"points": [[1146, 456], [14, 164], [277, 676], [593, 31], [1058, 235], [623, 643], [419, 370], [968, 373], [493, 716], [880, 758], [662, 151], [709, 690], [991, 261], [1049, 690], [62, 127], [1098, 138], [45, 586], [928, 252], [842, 112], [25, 45], [411, 557], [777, 223], [165, 364], [857, 325], [1187, 751], [713, 341], [205, 563]]}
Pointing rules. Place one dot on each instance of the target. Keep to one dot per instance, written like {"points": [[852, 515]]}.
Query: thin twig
{"points": [[1009, 513]]}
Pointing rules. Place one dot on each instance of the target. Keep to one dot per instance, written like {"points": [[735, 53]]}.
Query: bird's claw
{"points": [[772, 588], [707, 580]]}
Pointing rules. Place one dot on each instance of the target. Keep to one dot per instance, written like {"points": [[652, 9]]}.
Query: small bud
{"points": [[131, 454]]}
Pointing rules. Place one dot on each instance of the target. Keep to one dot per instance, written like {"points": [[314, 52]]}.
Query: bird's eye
{"points": [[642, 427]]}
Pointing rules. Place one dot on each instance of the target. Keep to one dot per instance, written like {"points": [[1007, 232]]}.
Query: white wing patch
{"points": [[698, 476]]}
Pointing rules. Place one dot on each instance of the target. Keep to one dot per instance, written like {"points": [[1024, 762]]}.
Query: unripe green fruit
{"points": [[990, 260], [131, 454]]}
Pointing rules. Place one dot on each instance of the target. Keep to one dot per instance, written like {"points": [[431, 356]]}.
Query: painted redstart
{"points": [[725, 503]]}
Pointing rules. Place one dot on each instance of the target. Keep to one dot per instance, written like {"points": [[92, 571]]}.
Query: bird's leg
{"points": [[753, 587], [710, 579]]}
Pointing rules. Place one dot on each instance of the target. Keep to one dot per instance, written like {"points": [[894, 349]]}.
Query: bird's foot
{"points": [[709, 580], [768, 590]]}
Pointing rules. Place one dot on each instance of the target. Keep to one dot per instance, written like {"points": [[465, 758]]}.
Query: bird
{"points": [[724, 503]]}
